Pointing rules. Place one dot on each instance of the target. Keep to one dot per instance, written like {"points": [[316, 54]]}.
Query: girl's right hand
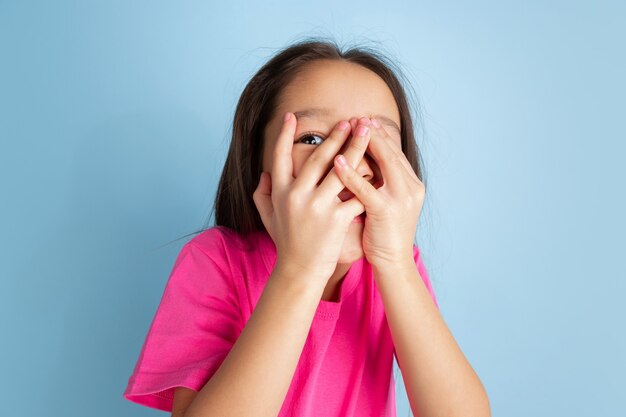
{"points": [[308, 223]]}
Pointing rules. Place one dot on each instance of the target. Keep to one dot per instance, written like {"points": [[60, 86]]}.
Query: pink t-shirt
{"points": [[346, 365]]}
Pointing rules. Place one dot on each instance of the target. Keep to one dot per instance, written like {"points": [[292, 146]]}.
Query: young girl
{"points": [[295, 302]]}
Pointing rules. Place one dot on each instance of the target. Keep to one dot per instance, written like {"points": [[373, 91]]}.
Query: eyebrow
{"points": [[316, 112]]}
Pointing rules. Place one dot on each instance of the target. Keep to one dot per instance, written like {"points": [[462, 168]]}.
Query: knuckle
{"points": [[316, 208], [293, 198], [364, 142], [338, 216], [360, 144]]}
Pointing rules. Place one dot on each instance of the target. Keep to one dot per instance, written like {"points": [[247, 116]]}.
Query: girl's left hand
{"points": [[392, 211]]}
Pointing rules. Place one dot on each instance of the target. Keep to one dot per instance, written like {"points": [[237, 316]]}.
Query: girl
{"points": [[296, 301]]}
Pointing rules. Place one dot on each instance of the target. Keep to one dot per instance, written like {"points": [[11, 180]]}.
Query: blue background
{"points": [[114, 125]]}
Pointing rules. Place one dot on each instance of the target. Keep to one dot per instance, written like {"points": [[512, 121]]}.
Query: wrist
{"points": [[299, 275], [394, 267]]}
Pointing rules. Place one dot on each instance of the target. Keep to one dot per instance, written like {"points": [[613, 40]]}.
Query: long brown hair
{"points": [[234, 207]]}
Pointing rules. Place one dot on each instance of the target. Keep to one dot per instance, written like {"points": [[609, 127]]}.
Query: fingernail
{"points": [[343, 125], [376, 123], [341, 160], [287, 117], [362, 130]]}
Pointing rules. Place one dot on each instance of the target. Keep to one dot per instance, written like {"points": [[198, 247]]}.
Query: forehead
{"points": [[338, 90]]}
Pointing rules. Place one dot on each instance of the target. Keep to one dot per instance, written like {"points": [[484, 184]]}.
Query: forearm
{"points": [[255, 376], [438, 378]]}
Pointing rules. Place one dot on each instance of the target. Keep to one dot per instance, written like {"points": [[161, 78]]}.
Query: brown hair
{"points": [[234, 206]]}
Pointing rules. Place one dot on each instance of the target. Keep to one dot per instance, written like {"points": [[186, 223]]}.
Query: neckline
{"points": [[326, 310]]}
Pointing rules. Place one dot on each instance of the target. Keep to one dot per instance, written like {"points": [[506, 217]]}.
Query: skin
{"points": [[338, 86], [438, 378]]}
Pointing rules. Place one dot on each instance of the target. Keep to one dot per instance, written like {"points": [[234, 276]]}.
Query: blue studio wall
{"points": [[114, 125]]}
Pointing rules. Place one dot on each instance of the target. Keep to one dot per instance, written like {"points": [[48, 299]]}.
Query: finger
{"points": [[282, 166], [361, 188], [388, 158], [353, 123], [389, 140], [351, 207], [321, 160], [332, 184], [262, 198]]}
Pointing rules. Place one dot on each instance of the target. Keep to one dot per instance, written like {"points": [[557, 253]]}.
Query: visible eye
{"points": [[307, 135]]}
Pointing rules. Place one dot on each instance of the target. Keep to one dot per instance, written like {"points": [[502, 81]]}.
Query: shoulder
{"points": [[208, 263], [221, 242], [218, 240], [213, 240]]}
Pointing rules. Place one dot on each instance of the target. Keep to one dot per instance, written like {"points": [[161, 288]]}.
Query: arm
{"points": [[438, 379], [255, 376]]}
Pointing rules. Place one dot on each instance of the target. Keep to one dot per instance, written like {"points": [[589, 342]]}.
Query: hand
{"points": [[392, 211], [308, 223]]}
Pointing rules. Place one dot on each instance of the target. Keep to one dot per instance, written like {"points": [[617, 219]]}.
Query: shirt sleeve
{"points": [[196, 324]]}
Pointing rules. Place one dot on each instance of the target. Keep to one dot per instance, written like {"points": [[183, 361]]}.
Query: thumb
{"points": [[262, 197]]}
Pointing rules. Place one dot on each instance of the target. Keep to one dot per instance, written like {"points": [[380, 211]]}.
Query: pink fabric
{"points": [[346, 365]]}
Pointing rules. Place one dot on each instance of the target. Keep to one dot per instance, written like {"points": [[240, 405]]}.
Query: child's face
{"points": [[346, 91]]}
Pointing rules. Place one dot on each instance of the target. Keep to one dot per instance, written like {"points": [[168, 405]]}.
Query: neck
{"points": [[333, 287]]}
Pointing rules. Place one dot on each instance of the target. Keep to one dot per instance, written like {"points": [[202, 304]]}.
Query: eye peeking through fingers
{"points": [[307, 135]]}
